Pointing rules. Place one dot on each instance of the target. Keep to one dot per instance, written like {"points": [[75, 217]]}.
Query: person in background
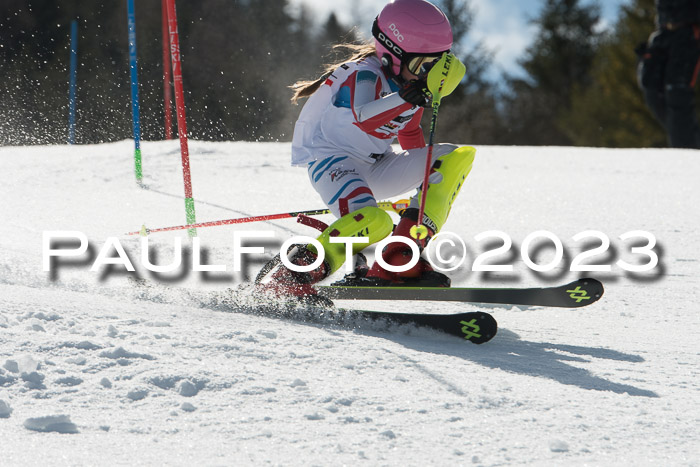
{"points": [[668, 70]]}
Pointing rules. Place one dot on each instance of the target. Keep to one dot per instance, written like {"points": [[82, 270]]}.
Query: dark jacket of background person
{"points": [[669, 67]]}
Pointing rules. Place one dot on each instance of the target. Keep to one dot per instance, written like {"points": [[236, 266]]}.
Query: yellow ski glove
{"points": [[445, 76]]}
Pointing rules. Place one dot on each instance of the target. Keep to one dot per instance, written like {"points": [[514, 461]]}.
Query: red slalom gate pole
{"points": [[396, 207], [181, 120], [242, 220], [166, 73]]}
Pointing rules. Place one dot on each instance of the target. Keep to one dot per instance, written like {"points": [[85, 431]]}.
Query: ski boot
{"points": [[275, 278], [397, 254]]}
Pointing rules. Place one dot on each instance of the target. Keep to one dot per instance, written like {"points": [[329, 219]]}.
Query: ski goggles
{"points": [[416, 62]]}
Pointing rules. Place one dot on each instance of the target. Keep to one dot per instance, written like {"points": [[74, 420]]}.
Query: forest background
{"points": [[239, 57]]}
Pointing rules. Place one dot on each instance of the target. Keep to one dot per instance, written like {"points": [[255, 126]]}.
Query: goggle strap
{"points": [[386, 41]]}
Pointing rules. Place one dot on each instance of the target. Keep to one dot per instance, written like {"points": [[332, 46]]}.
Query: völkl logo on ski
{"points": [[469, 334], [578, 294]]}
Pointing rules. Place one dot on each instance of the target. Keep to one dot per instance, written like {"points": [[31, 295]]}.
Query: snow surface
{"points": [[106, 368]]}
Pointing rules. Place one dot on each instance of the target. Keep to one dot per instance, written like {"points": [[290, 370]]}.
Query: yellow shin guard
{"points": [[370, 222], [453, 168]]}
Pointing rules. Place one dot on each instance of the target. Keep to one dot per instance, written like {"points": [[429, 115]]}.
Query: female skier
{"points": [[344, 135]]}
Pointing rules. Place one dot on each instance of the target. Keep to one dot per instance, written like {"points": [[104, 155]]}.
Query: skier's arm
{"points": [[411, 136], [370, 110]]}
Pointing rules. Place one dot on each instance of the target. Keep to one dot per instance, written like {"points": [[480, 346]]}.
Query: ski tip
{"points": [[488, 328], [584, 291]]}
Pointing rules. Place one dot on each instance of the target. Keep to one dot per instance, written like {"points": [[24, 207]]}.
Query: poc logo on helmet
{"points": [[390, 45], [396, 32]]}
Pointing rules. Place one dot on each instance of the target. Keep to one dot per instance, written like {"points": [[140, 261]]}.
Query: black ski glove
{"points": [[416, 92]]}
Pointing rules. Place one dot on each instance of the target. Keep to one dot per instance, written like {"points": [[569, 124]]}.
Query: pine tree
{"points": [[558, 62]]}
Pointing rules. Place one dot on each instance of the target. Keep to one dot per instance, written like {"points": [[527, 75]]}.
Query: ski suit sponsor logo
{"points": [[337, 174], [392, 128], [402, 118]]}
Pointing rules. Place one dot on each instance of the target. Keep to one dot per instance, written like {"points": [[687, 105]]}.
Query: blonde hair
{"points": [[359, 51]]}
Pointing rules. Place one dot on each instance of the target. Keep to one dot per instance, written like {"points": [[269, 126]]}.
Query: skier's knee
{"points": [[459, 160], [442, 149], [451, 170]]}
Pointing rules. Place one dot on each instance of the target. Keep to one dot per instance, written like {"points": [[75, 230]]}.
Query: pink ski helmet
{"points": [[408, 31]]}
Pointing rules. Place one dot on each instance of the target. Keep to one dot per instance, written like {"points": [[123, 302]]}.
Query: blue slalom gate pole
{"points": [[73, 80], [134, 90]]}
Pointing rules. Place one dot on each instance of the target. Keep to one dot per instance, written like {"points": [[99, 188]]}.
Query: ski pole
{"points": [[436, 85], [420, 231], [396, 207]]}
